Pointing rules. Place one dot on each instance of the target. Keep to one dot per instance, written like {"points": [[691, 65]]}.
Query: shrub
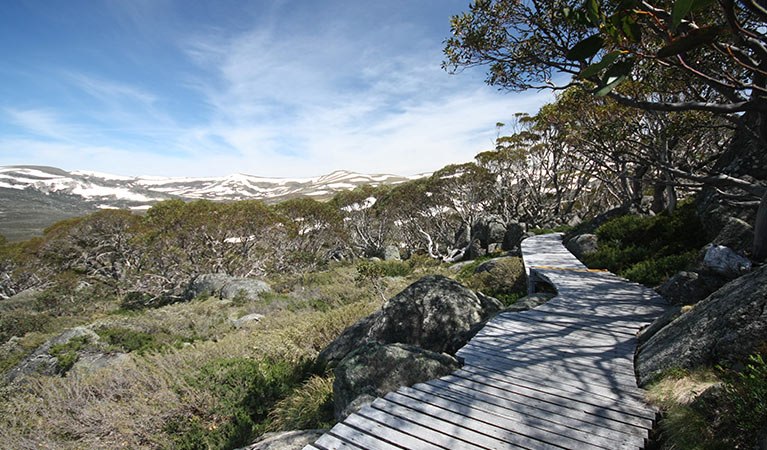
{"points": [[129, 340], [746, 399], [649, 249], [506, 281], [68, 354]]}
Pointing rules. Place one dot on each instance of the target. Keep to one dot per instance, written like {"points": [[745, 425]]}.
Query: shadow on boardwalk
{"points": [[559, 376]]}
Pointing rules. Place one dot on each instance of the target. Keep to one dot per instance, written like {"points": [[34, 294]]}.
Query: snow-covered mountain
{"points": [[32, 197]]}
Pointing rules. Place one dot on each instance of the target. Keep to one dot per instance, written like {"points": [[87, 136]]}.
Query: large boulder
{"points": [[737, 234], [687, 288], [224, 286], [582, 245], [285, 440], [728, 325], [488, 229], [428, 313], [512, 238], [724, 261], [529, 302], [373, 369]]}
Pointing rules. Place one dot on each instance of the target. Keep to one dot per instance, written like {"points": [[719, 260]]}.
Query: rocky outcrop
{"points": [[491, 264], [687, 288], [373, 370], [582, 245], [727, 325], [489, 230], [529, 302], [512, 239], [224, 286], [428, 313], [736, 234], [42, 362], [285, 440], [724, 261]]}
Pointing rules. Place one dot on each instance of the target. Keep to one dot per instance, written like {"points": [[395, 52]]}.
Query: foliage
{"points": [[506, 281], [68, 354], [746, 401], [648, 249], [128, 340]]}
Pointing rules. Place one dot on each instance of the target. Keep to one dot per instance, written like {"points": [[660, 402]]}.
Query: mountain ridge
{"points": [[33, 197]]}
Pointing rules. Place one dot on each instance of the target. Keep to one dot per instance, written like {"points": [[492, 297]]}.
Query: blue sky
{"points": [[271, 88]]}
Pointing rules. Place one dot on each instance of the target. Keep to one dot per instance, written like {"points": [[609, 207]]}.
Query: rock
{"points": [[475, 250], [687, 288], [247, 321], [666, 318], [94, 361], [582, 245], [375, 259], [455, 268], [428, 313], [391, 253], [224, 286], [491, 264], [724, 261], [494, 248], [512, 238], [41, 362], [736, 234], [489, 230], [285, 440], [728, 325], [529, 302], [373, 369]]}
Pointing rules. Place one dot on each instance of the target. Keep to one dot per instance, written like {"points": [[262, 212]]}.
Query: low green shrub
{"points": [[68, 354], [506, 281], [648, 250], [246, 390], [559, 229], [308, 407], [394, 268], [20, 322], [127, 340], [746, 402]]}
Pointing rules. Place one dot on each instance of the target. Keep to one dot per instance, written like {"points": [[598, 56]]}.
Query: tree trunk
{"points": [[760, 231], [658, 197]]}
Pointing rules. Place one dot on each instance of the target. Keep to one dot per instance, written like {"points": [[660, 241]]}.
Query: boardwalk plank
{"points": [[457, 429], [557, 376], [580, 438], [569, 417]]}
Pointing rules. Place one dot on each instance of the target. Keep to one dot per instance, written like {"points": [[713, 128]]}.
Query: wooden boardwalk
{"points": [[558, 376]]}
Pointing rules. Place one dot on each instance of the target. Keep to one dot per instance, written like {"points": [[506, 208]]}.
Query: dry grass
{"points": [[127, 406], [309, 407], [680, 388]]}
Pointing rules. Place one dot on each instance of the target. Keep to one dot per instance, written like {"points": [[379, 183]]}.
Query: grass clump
{"points": [[308, 407], [648, 250]]}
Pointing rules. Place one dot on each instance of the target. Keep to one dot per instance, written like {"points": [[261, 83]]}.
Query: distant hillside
{"points": [[34, 197]]}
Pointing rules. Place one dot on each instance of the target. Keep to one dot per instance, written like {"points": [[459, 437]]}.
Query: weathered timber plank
{"points": [[563, 377], [361, 438], [469, 419], [592, 363], [524, 419], [434, 437], [329, 442], [457, 429], [388, 433], [611, 408], [526, 405]]}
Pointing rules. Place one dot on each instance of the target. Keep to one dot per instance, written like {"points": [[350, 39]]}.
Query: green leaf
{"points": [[615, 75], [681, 9], [694, 38], [604, 90], [593, 13], [631, 28], [585, 49], [626, 5], [594, 69]]}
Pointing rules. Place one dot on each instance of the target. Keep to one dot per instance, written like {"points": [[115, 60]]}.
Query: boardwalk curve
{"points": [[560, 376]]}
